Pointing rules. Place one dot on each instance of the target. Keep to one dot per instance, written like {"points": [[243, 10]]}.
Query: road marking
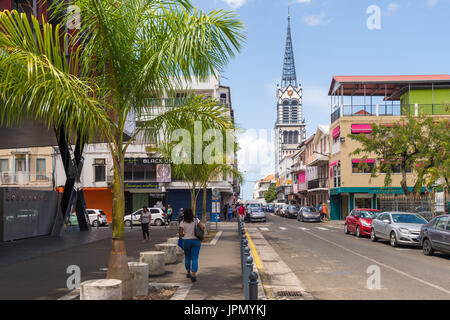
{"points": [[283, 228], [264, 229], [303, 228], [320, 228], [383, 264]]}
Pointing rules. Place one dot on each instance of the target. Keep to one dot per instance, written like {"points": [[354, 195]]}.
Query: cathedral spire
{"points": [[289, 77]]}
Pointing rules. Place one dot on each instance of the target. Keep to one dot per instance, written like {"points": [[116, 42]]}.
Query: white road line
{"points": [[283, 228], [264, 229], [383, 264], [304, 229], [320, 228]]}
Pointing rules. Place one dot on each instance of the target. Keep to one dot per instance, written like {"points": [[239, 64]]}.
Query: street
{"points": [[333, 265]]}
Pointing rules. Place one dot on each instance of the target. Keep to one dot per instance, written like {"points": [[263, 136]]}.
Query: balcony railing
{"points": [[25, 178], [388, 109], [318, 184]]}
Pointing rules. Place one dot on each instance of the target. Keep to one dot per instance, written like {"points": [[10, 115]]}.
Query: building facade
{"points": [[357, 103], [148, 179], [262, 185]]}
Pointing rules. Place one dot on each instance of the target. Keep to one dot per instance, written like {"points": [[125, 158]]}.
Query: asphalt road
{"points": [[333, 265]]}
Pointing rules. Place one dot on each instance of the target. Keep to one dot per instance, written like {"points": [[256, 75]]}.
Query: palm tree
{"points": [[123, 54]]}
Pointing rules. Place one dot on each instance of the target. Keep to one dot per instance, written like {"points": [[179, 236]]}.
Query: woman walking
{"points": [[145, 222], [191, 244]]}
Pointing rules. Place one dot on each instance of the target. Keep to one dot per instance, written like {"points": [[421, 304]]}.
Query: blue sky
{"points": [[330, 37]]}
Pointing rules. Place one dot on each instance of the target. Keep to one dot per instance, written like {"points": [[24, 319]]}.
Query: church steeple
{"points": [[289, 77]]}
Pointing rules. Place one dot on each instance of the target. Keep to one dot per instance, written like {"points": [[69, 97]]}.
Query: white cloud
{"points": [[432, 3], [392, 8], [316, 20], [235, 3], [256, 154], [302, 1]]}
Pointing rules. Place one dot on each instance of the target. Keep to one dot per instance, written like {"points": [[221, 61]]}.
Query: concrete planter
{"points": [[101, 289], [139, 278], [170, 250], [155, 260]]}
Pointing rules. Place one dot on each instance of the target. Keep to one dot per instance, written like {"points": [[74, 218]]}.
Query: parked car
{"points": [[256, 213], [308, 214], [398, 228], [158, 217], [359, 221], [435, 235], [268, 207], [96, 218], [292, 211]]}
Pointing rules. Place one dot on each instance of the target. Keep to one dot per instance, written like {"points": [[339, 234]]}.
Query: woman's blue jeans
{"points": [[191, 251]]}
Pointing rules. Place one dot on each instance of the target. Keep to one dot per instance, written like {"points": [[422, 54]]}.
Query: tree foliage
{"points": [[415, 144], [271, 194]]}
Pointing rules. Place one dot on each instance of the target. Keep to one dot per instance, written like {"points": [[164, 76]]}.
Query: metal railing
{"points": [[249, 277], [388, 109], [318, 183], [24, 178]]}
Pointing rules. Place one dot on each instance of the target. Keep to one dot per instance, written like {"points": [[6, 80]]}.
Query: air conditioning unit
{"points": [[6, 178]]}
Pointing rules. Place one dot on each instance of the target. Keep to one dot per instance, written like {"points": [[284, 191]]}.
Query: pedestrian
{"points": [[224, 212], [180, 215], [230, 213], [241, 211], [324, 211], [145, 219], [191, 244], [169, 214]]}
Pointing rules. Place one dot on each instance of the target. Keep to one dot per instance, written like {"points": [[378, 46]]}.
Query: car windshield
{"points": [[408, 218], [310, 209], [292, 207], [368, 214], [255, 206]]}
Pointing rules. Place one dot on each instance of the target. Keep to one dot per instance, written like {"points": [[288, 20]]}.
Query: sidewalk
{"points": [[41, 272], [219, 275]]}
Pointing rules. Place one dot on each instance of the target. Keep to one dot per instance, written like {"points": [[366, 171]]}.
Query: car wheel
{"points": [[358, 232], [427, 247], [346, 229], [127, 223], [158, 222], [95, 223], [373, 237], [393, 240]]}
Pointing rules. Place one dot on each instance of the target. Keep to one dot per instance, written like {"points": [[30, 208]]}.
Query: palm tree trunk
{"points": [[118, 262]]}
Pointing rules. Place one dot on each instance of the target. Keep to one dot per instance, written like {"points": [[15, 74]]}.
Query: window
{"points": [[336, 175], [100, 170], [366, 167], [40, 169], [364, 203], [4, 165], [440, 223]]}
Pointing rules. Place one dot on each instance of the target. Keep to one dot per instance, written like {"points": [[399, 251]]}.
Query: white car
{"points": [[158, 217], [97, 217]]}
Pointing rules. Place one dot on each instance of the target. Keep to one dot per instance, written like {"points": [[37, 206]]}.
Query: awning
{"points": [[336, 132], [361, 128], [334, 163], [365, 161]]}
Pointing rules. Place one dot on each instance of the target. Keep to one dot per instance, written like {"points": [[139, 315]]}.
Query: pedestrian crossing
{"points": [[332, 228]]}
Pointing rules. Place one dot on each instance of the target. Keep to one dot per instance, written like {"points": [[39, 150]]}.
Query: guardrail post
{"points": [[253, 286], [244, 245], [246, 275]]}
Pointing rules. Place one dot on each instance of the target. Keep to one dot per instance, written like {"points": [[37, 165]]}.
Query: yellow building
{"points": [[359, 101], [27, 168]]}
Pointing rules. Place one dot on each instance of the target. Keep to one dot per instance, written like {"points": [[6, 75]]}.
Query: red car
{"points": [[359, 221]]}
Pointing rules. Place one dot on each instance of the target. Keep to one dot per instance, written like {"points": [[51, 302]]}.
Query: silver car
{"points": [[256, 214], [399, 228]]}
